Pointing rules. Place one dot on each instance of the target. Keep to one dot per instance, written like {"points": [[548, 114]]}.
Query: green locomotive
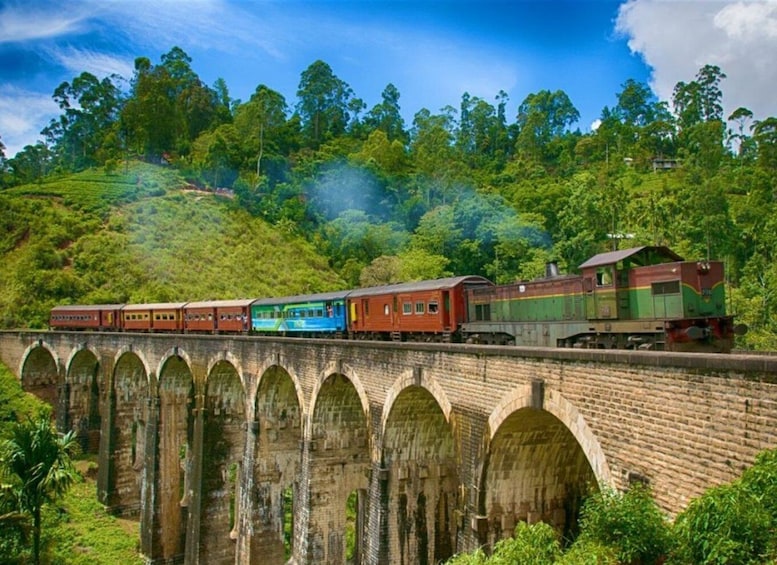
{"points": [[640, 298]]}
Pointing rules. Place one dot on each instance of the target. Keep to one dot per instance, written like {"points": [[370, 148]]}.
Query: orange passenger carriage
{"points": [[218, 316], [160, 317], [416, 311]]}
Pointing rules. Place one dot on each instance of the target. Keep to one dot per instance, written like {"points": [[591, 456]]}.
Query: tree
{"points": [[636, 103], [699, 100], [90, 111], [765, 136], [39, 461], [542, 117], [323, 103], [32, 163], [386, 115], [261, 121], [699, 109], [740, 116], [169, 106], [436, 159]]}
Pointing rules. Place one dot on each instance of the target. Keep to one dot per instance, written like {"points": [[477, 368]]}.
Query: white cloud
{"points": [[21, 113], [677, 38], [19, 22], [204, 24], [98, 64], [748, 21]]}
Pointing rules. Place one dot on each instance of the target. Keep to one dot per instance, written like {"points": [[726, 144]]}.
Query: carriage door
{"points": [[446, 310]]}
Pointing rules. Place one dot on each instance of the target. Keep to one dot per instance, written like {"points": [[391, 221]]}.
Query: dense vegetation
{"points": [[75, 530], [491, 187]]}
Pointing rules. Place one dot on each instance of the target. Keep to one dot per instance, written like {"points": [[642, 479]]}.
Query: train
{"points": [[645, 297]]}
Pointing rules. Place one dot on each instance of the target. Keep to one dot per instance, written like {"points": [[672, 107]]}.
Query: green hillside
{"points": [[138, 235]]}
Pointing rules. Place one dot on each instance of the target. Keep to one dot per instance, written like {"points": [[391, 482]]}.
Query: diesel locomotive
{"points": [[640, 298]]}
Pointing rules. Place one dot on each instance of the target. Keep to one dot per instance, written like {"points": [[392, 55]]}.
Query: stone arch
{"points": [[175, 402], [567, 413], [223, 442], [347, 372], [172, 354], [416, 378], [283, 364], [231, 359], [139, 356], [338, 463], [538, 466], [39, 373], [419, 462], [277, 433], [39, 344], [84, 388]]}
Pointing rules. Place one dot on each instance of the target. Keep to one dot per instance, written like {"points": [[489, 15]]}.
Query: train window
{"points": [[668, 287], [604, 276], [420, 308], [407, 308], [434, 307], [482, 312]]}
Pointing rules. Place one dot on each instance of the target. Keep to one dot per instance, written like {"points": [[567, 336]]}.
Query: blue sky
{"points": [[431, 50]]}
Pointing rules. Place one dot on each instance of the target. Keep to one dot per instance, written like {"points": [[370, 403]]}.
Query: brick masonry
{"points": [[211, 441]]}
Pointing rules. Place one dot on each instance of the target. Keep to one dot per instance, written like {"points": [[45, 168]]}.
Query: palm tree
{"points": [[40, 458]]}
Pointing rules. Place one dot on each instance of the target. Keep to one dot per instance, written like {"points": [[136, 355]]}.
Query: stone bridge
{"points": [[252, 450]]}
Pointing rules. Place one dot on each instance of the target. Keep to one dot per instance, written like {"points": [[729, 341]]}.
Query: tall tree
{"points": [[765, 136], [261, 121], [699, 109], [323, 103], [436, 160], [636, 103], [386, 115], [90, 110], [169, 106], [39, 460], [741, 116], [543, 116], [700, 100]]}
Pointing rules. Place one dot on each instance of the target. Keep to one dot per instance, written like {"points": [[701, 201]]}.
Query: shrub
{"points": [[727, 525], [532, 545], [630, 523]]}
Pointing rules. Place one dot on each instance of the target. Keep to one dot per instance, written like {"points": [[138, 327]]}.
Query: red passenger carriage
{"points": [[218, 316], [417, 311], [100, 317]]}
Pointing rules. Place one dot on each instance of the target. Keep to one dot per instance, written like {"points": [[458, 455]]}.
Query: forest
{"points": [[491, 187]]}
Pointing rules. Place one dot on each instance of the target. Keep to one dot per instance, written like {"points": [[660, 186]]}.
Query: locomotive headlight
{"points": [[703, 267]]}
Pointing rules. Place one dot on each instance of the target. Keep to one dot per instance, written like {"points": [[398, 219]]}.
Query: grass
{"points": [[80, 532]]}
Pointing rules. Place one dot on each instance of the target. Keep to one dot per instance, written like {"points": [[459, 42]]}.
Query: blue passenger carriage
{"points": [[307, 315]]}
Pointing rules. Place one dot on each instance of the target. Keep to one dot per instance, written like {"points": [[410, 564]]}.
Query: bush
{"points": [[532, 545], [630, 523], [727, 525]]}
